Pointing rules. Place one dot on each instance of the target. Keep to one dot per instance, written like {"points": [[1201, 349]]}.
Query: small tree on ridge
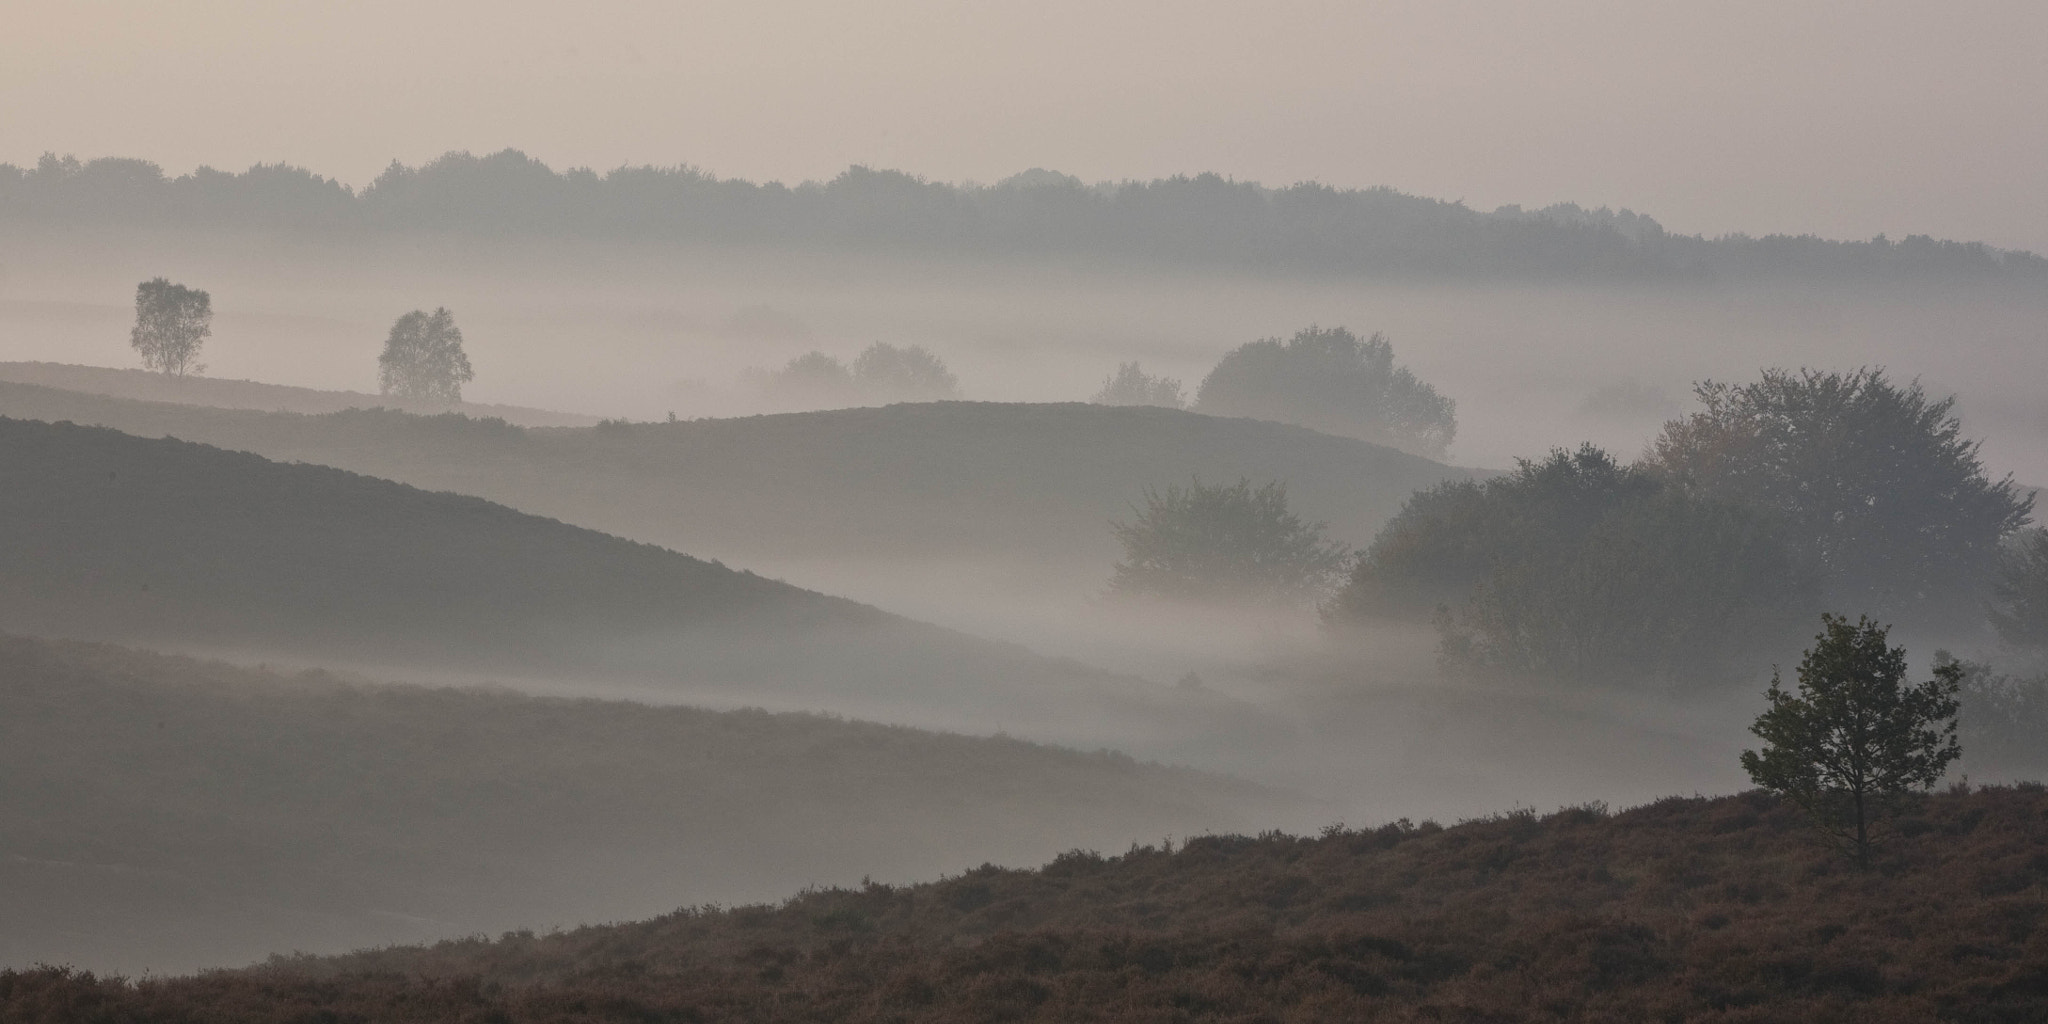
{"points": [[1855, 736]]}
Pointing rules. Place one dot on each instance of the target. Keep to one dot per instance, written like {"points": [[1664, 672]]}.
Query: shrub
{"points": [[1224, 542]]}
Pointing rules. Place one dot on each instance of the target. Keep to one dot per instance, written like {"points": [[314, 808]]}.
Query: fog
{"points": [[1799, 116], [500, 696], [639, 331]]}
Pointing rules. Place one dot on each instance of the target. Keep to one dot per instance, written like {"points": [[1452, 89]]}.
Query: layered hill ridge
{"points": [[1038, 482], [221, 393], [185, 546], [1685, 909], [168, 814]]}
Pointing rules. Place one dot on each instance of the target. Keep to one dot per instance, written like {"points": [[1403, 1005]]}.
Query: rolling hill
{"points": [[169, 814], [1716, 910], [187, 547], [1023, 483], [221, 393]]}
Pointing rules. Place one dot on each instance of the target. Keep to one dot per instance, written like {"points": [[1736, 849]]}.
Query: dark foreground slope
{"points": [[939, 480], [168, 814], [1693, 910], [248, 394], [180, 545]]}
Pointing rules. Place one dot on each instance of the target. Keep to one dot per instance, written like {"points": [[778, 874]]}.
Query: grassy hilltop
{"points": [[1685, 909], [170, 814]]}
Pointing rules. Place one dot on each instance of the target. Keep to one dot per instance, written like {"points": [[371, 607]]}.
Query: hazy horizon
{"points": [[1809, 117]]}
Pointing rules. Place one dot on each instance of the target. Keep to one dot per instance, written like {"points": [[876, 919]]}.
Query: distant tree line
{"points": [[1203, 220]]}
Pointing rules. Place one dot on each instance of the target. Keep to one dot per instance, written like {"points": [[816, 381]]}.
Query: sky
{"points": [[1844, 119]]}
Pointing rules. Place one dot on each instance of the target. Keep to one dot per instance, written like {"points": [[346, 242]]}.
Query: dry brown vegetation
{"points": [[1686, 909]]}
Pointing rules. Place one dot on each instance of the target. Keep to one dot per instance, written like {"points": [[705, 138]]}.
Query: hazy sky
{"points": [[1843, 118]]}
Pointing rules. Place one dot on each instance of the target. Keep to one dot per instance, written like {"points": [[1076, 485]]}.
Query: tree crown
{"points": [[423, 358], [171, 322]]}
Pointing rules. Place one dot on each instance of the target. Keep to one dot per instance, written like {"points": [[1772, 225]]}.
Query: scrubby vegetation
{"points": [[172, 813], [1205, 220], [1685, 909], [1330, 380]]}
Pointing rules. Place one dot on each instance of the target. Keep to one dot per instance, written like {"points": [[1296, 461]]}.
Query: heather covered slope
{"points": [[169, 814], [222, 393], [936, 480], [1685, 909], [189, 547]]}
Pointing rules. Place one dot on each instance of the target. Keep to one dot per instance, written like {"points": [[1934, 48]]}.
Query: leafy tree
{"points": [[1581, 568], [1329, 380], [1224, 542], [1130, 385], [1856, 736], [423, 358], [171, 322], [1873, 480], [911, 374], [2020, 601]]}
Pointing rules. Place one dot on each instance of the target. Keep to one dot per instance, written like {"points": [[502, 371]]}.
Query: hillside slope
{"points": [[1685, 909], [221, 393], [937, 480], [171, 814], [180, 545]]}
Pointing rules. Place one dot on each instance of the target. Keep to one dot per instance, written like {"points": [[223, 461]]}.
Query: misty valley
{"points": [[501, 593]]}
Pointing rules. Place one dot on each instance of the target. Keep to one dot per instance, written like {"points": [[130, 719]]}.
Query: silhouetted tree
{"points": [[2020, 602], [1130, 385], [171, 322], [1579, 568], [1329, 380], [423, 358], [1224, 542], [910, 374], [1855, 736], [1873, 480]]}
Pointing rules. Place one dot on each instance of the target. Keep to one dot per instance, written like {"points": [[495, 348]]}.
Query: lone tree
{"points": [[1225, 542], [171, 321], [423, 358], [1856, 736]]}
